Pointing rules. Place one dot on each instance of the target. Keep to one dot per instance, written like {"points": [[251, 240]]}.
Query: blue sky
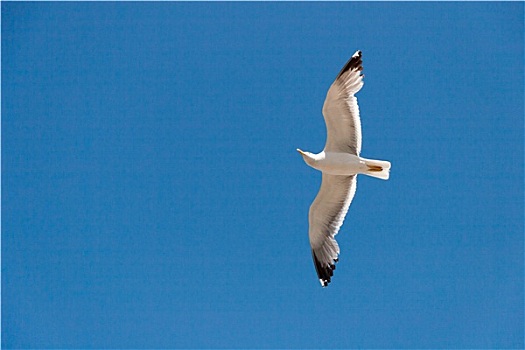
{"points": [[152, 196]]}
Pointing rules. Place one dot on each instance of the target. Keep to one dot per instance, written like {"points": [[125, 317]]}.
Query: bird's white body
{"points": [[338, 163], [335, 163]]}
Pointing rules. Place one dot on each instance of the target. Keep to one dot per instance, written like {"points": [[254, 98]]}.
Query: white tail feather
{"points": [[377, 168]]}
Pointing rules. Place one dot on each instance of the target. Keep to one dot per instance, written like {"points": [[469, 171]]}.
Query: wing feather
{"points": [[326, 216], [340, 109]]}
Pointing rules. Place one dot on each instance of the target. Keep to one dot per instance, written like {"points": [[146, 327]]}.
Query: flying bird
{"points": [[339, 163]]}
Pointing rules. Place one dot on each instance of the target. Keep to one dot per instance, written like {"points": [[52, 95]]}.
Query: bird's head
{"points": [[308, 157]]}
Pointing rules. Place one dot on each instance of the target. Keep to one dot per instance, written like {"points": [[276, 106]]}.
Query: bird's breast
{"points": [[340, 164]]}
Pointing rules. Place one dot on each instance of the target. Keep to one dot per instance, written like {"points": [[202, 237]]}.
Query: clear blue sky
{"points": [[152, 196]]}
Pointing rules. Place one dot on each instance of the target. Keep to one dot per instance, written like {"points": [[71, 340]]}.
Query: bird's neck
{"points": [[314, 158]]}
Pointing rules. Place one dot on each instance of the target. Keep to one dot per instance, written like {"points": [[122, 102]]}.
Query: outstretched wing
{"points": [[326, 216], [340, 109]]}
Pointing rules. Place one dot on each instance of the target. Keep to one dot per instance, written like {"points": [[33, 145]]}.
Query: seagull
{"points": [[339, 163]]}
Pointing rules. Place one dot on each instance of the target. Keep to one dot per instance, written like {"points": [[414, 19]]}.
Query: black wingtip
{"points": [[324, 273], [354, 63]]}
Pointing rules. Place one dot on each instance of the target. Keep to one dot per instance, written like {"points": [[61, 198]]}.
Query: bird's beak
{"points": [[302, 153]]}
